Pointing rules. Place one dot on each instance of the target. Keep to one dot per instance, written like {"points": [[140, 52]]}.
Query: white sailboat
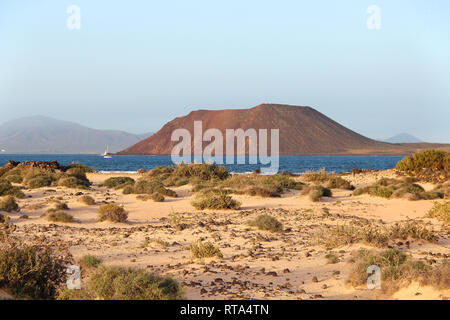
{"points": [[106, 154]]}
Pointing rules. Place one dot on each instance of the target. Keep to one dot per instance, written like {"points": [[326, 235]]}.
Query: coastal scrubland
{"points": [[197, 231]]}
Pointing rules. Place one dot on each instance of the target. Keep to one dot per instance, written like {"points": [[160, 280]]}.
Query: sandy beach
{"points": [[256, 264]]}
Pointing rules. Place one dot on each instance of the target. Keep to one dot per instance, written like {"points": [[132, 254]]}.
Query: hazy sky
{"points": [[134, 65]]}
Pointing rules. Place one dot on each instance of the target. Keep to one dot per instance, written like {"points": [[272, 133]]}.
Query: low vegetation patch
{"points": [[148, 186], [44, 174], [88, 200], [266, 222], [115, 283], [440, 211], [329, 180], [59, 216], [9, 204], [372, 234], [112, 212], [397, 270], [215, 199], [201, 249], [332, 258], [7, 189], [316, 193], [90, 261], [429, 165], [30, 271], [118, 182], [394, 188]]}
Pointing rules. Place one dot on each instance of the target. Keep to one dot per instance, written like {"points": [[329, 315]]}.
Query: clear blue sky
{"points": [[134, 65]]}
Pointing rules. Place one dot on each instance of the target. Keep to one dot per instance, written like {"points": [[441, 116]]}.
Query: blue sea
{"points": [[293, 164]]}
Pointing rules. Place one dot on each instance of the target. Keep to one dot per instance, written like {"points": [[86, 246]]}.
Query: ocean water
{"points": [[293, 164]]}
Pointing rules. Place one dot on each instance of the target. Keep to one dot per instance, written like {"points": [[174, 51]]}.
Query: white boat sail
{"points": [[106, 154]]}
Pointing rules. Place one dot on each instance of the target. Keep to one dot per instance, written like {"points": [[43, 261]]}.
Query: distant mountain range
{"points": [[44, 135], [303, 131], [402, 138]]}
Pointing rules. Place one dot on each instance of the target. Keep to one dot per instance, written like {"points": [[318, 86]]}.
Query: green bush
{"points": [[215, 199], [7, 189], [9, 204], [58, 205], [397, 270], [118, 182], [146, 186], [157, 197], [258, 191], [266, 222], [185, 173], [435, 160], [440, 211], [59, 216], [393, 188], [90, 261], [81, 168], [115, 283], [14, 178], [329, 180], [30, 271], [88, 200], [316, 193], [201, 249], [112, 212], [39, 182]]}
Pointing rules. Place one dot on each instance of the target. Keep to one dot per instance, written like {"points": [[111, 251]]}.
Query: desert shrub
{"points": [[112, 212], [38, 182], [316, 193], [185, 173], [59, 216], [149, 186], [201, 249], [258, 191], [81, 168], [277, 183], [435, 160], [87, 200], [371, 234], [9, 204], [329, 180], [397, 270], [7, 189], [90, 261], [59, 205], [15, 178], [202, 171], [339, 183], [342, 235], [144, 197], [215, 199], [128, 189], [393, 188], [240, 181], [115, 283], [332, 258], [440, 211], [157, 197], [266, 222], [30, 271], [411, 229], [255, 185], [118, 182], [319, 176], [72, 178]]}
